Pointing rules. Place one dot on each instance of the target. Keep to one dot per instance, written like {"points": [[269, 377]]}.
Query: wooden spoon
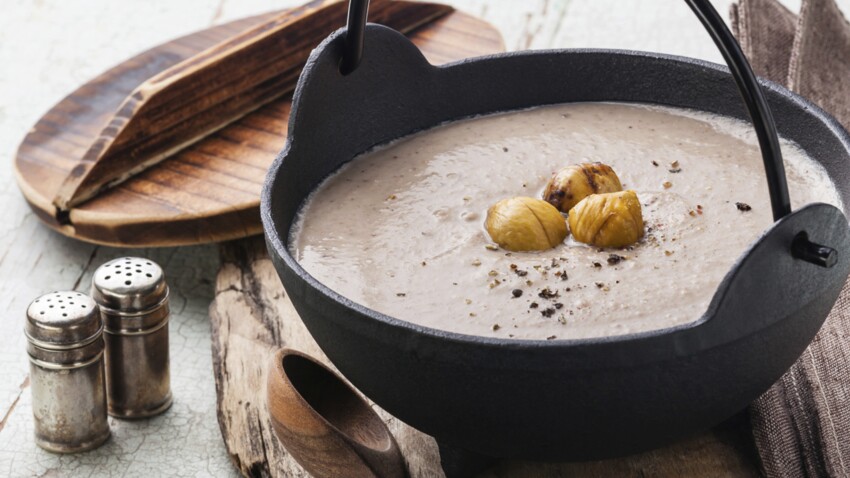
{"points": [[325, 424]]}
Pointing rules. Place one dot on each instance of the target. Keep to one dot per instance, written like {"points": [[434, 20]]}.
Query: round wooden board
{"points": [[209, 192]]}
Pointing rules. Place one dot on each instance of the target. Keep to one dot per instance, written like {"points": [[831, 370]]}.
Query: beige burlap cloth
{"points": [[802, 424]]}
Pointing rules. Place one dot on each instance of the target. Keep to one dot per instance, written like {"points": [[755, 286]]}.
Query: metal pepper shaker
{"points": [[133, 298], [65, 345]]}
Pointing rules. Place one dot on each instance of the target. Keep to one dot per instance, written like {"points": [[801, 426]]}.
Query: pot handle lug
{"points": [[802, 248]]}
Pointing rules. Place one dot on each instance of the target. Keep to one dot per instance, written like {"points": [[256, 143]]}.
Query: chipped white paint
{"points": [[47, 48]]}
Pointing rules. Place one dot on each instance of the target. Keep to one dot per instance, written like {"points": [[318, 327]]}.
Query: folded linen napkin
{"points": [[765, 30], [801, 425]]}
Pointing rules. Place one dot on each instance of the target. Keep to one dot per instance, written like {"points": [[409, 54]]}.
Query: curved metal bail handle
{"points": [[358, 10], [744, 77], [756, 104]]}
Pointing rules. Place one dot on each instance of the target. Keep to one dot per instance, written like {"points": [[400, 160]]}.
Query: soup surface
{"points": [[400, 229]]}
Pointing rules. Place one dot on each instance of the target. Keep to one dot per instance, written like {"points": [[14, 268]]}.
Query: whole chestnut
{"points": [[572, 184], [607, 220], [525, 224]]}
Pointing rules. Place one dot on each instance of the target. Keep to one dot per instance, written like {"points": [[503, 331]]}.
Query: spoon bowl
{"points": [[325, 424]]}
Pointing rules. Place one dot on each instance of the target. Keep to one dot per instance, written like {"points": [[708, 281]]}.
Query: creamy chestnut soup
{"points": [[400, 229]]}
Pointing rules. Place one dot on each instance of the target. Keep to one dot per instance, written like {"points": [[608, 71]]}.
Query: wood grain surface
{"points": [[131, 214], [210, 90], [324, 424], [209, 191]]}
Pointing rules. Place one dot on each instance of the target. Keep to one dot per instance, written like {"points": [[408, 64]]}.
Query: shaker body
{"points": [[65, 347], [138, 380], [133, 300], [69, 406]]}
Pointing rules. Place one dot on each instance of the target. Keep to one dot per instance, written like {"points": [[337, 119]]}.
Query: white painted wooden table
{"points": [[49, 47]]}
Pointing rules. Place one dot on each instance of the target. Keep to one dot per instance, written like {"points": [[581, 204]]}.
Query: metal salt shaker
{"points": [[133, 299], [65, 345]]}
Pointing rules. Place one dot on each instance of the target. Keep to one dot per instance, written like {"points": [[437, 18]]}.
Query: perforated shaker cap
{"points": [[62, 320], [129, 284]]}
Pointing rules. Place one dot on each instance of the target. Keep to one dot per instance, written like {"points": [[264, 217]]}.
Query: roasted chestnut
{"points": [[607, 220], [572, 184], [525, 224]]}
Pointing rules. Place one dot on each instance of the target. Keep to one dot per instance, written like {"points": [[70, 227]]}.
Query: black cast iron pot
{"points": [[564, 399]]}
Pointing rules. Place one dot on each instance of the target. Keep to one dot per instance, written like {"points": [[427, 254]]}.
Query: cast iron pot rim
{"points": [[280, 249]]}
